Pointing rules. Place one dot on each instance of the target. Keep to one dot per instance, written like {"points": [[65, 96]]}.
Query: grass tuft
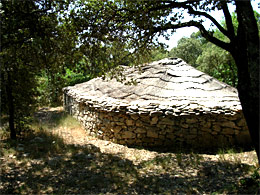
{"points": [[47, 160]]}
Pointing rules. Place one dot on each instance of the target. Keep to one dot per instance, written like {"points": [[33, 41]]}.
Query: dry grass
{"points": [[58, 157]]}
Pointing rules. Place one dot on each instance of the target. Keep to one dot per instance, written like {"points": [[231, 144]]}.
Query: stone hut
{"points": [[170, 104]]}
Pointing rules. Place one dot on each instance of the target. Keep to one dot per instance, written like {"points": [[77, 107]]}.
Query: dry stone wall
{"points": [[157, 124]]}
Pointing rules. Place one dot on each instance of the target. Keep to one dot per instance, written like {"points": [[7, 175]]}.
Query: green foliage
{"points": [[107, 37], [208, 57], [18, 70], [188, 49], [72, 78], [32, 40], [204, 56], [50, 89], [218, 63], [158, 54], [46, 45]]}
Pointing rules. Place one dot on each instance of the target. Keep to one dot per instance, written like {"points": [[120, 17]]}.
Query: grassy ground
{"points": [[44, 160]]}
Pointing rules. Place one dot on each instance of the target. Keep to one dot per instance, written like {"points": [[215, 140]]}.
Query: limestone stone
{"points": [[209, 139], [228, 131], [123, 142], [154, 120], [164, 108], [156, 113], [144, 117], [117, 129], [166, 121], [237, 131], [177, 111], [169, 130], [168, 113], [140, 130], [140, 135], [118, 136], [162, 132], [170, 136], [139, 124], [120, 123], [128, 135], [191, 136], [194, 131], [228, 124], [216, 128], [184, 125], [148, 139], [130, 141], [134, 108], [134, 116], [152, 134], [206, 124], [129, 122], [106, 138], [162, 137], [205, 129], [169, 142], [191, 120], [241, 122], [214, 132], [138, 141], [243, 138], [158, 142], [161, 126]]}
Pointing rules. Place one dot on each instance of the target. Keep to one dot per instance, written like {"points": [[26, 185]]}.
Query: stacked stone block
{"points": [[156, 124]]}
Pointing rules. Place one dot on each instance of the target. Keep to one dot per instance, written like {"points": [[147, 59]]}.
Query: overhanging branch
{"points": [[188, 6], [207, 35], [228, 18]]}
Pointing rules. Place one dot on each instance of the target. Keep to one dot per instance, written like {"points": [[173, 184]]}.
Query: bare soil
{"points": [[67, 160]]}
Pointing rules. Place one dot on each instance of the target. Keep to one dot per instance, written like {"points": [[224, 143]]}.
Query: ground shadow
{"points": [[50, 117], [205, 177], [44, 164], [187, 149], [74, 169], [48, 165]]}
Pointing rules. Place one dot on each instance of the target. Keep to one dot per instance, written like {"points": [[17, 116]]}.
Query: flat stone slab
{"points": [[170, 104], [170, 81]]}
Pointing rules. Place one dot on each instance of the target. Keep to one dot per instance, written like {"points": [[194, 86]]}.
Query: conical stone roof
{"points": [[170, 83]]}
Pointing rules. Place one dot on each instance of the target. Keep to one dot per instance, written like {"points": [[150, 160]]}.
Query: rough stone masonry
{"points": [[170, 104]]}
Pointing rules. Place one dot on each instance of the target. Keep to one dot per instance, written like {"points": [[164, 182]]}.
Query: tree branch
{"points": [[206, 15], [207, 35], [187, 5], [228, 18]]}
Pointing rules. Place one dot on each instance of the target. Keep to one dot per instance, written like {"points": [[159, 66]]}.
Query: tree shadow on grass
{"points": [[43, 163], [51, 166], [50, 117], [187, 149], [181, 174], [55, 167]]}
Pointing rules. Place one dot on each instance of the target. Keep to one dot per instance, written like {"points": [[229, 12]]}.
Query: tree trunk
{"points": [[246, 55], [249, 98], [10, 106]]}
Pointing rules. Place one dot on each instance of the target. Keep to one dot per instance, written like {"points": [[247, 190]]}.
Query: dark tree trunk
{"points": [[10, 106], [249, 97], [246, 54]]}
